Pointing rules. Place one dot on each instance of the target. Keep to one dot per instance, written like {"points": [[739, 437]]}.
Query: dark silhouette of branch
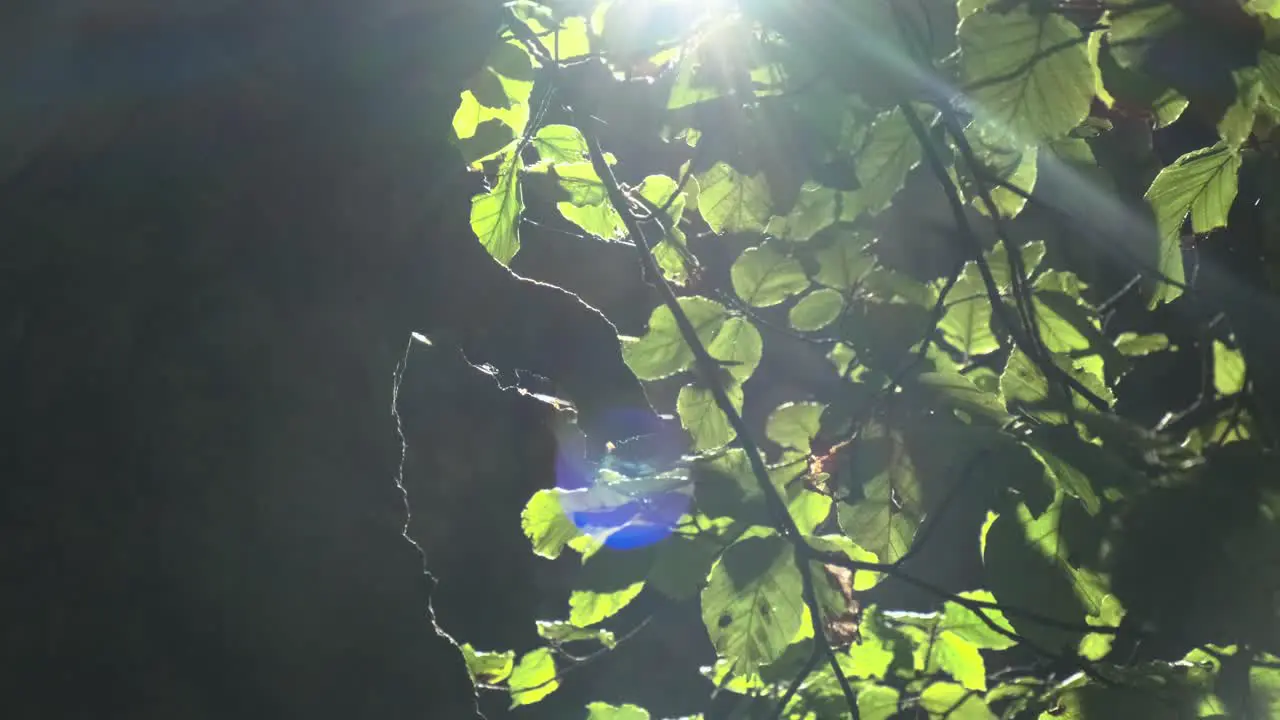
{"points": [[805, 672]]}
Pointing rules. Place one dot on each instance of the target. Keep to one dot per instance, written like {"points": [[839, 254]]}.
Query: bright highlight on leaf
{"points": [[533, 678], [1028, 74], [1201, 184], [751, 605]]}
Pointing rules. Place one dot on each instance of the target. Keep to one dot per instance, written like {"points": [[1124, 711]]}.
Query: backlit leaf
{"points": [[495, 215], [738, 345], [793, 425], [877, 702], [560, 143], [887, 155], [844, 261], [662, 351], [488, 667], [604, 711], [764, 276], [1134, 345], [533, 678], [732, 202], [1201, 184], [752, 604], [588, 607], [1228, 369], [705, 422], [546, 524], [879, 527], [949, 701], [816, 310], [967, 623], [1029, 74]]}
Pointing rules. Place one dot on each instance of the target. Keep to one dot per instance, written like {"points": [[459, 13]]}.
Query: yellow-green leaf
{"points": [[533, 678], [1201, 184], [1028, 74]]}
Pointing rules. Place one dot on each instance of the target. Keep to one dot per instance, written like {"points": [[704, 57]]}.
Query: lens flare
{"points": [[637, 493]]}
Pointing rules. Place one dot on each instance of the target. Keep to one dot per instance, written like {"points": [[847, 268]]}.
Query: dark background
{"points": [[220, 223]]}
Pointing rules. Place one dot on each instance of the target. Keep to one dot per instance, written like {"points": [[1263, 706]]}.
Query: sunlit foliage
{"points": [[795, 127]]}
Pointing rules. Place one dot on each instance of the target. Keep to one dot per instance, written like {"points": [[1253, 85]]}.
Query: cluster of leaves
{"points": [[798, 124]]}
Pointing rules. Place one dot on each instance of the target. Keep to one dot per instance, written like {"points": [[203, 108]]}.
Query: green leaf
{"points": [[885, 521], [703, 419], [764, 276], [488, 667], [966, 623], [737, 344], [533, 678], [752, 603], [662, 352], [935, 648], [1203, 184], [1065, 475], [672, 253], [967, 321], [495, 215], [588, 206], [579, 181], [488, 139], [604, 711], [887, 155], [949, 701], [725, 485], [816, 310], [498, 92], [1096, 646], [877, 702], [844, 261], [959, 659], [815, 208], [793, 425], [487, 89], [600, 220], [1228, 369], [587, 607], [872, 658], [1003, 163], [1264, 689], [808, 510], [570, 40], [560, 143], [546, 524], [1029, 75], [608, 582], [1132, 344], [1136, 25], [879, 527], [562, 632], [1027, 566], [962, 394], [1236, 124], [863, 580], [682, 563], [1022, 383], [732, 202]]}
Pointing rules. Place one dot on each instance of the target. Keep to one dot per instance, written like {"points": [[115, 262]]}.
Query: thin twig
{"points": [[805, 672]]}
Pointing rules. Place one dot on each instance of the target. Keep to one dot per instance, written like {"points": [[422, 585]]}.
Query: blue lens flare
{"points": [[635, 495]]}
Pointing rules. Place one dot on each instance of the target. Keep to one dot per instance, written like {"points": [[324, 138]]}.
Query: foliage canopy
{"points": [[997, 395]]}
